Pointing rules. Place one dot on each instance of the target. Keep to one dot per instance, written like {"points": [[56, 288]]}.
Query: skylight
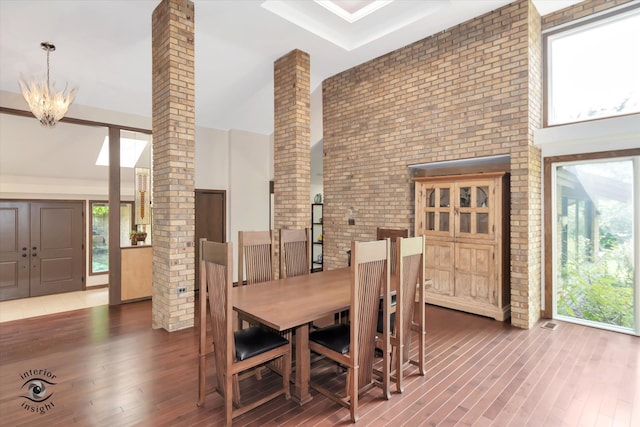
{"points": [[130, 151], [353, 10], [351, 24]]}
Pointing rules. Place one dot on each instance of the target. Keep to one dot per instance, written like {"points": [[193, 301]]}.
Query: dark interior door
{"points": [[14, 250], [40, 248], [56, 247], [211, 207]]}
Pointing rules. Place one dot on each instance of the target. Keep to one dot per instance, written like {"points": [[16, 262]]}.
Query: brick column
{"points": [[292, 135], [173, 164]]}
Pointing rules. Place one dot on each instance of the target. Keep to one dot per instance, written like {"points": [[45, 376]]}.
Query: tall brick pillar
{"points": [[173, 164], [292, 135]]}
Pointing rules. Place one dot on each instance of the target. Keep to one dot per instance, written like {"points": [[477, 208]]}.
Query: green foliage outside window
{"points": [[99, 210], [600, 290]]}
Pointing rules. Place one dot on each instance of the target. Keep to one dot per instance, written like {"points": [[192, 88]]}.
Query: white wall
{"points": [[617, 133], [242, 164], [316, 131], [212, 159], [250, 170], [315, 189], [26, 187]]}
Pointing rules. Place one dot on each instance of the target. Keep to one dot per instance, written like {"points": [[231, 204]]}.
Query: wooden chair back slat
{"points": [[392, 234], [294, 252], [217, 264], [255, 257], [370, 278], [410, 277], [216, 260]]}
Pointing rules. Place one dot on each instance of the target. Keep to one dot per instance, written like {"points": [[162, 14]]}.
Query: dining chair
{"points": [[350, 344], [295, 245], [392, 234], [295, 248], [255, 260], [255, 257], [409, 292], [234, 352], [256, 264]]}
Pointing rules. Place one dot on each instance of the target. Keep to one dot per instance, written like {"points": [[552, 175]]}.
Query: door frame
{"points": [[549, 191]]}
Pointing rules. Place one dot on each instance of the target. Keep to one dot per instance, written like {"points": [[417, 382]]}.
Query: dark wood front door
{"points": [[41, 248], [14, 250], [211, 208]]}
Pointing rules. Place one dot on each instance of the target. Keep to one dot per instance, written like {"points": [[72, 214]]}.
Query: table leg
{"points": [[303, 365]]}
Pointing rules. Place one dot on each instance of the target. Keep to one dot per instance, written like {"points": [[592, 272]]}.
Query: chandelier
{"points": [[47, 105]]}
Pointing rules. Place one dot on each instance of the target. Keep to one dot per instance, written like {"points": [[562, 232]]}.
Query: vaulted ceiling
{"points": [[104, 48]]}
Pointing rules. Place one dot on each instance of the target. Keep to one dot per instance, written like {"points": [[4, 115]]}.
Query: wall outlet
{"points": [[182, 289]]}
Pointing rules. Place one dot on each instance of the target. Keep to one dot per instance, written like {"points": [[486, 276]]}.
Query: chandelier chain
{"points": [[48, 84]]}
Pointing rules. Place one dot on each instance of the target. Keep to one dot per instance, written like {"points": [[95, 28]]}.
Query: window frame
{"points": [[591, 21], [550, 163]]}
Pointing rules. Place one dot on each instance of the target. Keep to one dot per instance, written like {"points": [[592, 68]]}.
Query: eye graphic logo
{"points": [[37, 390]]}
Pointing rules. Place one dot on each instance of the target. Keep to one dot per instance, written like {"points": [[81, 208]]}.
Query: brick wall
{"points": [[292, 124], [532, 310], [173, 164], [473, 90], [462, 93]]}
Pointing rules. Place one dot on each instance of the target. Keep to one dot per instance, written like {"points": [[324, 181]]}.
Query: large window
{"points": [[593, 68], [595, 242]]}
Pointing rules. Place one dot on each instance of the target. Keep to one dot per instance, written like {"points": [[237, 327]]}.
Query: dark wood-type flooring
{"points": [[112, 369]]}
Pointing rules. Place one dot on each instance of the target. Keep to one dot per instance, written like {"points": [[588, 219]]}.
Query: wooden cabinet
{"points": [[136, 272], [316, 237], [465, 219]]}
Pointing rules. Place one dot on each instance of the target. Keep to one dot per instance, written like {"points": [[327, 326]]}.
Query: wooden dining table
{"points": [[293, 303]]}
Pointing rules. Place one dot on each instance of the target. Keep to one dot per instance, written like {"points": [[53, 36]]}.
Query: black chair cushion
{"points": [[392, 320], [336, 337], [253, 341]]}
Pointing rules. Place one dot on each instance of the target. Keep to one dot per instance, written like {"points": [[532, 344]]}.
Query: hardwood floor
{"points": [[112, 369], [23, 308]]}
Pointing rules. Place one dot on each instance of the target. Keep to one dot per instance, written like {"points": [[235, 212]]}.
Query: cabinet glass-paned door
{"points": [[438, 209], [595, 249], [475, 204], [482, 203]]}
